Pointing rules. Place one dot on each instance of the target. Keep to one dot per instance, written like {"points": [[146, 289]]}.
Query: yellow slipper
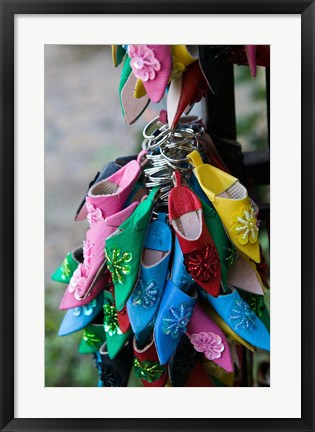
{"points": [[230, 199]]}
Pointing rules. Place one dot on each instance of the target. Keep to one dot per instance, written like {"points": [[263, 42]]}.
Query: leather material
{"points": [[144, 301], [201, 323], [108, 169], [115, 338], [214, 182], [95, 264], [149, 354], [238, 315], [243, 274], [132, 107], [121, 183], [93, 338], [70, 264], [118, 54], [114, 372], [184, 91], [127, 242], [183, 362], [172, 319], [78, 318], [197, 244], [156, 88]]}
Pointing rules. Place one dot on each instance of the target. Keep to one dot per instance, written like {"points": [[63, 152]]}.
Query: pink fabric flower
{"points": [[208, 343], [143, 62], [77, 282], [87, 246], [94, 214]]}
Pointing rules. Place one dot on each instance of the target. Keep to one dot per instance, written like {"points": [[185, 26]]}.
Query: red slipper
{"points": [[200, 254], [147, 366], [199, 377]]}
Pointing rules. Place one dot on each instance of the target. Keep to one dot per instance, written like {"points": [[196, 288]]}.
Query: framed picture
{"points": [[31, 398]]}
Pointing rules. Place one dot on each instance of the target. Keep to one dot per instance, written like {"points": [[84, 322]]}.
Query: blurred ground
{"points": [[84, 128]]}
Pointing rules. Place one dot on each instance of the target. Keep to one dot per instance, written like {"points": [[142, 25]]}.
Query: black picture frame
{"points": [[8, 9]]}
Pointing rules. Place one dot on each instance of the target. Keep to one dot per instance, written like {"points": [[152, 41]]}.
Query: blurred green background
{"points": [[84, 129]]}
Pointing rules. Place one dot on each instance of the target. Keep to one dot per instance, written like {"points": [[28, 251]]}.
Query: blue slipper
{"points": [[180, 277], [238, 315], [79, 317], [143, 303], [175, 311]]}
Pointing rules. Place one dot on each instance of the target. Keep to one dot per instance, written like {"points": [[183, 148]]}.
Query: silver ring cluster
{"points": [[167, 152]]}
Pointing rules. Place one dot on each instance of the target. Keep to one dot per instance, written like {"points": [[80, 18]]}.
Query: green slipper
{"points": [[115, 338], [70, 263], [93, 338], [124, 248], [224, 246]]}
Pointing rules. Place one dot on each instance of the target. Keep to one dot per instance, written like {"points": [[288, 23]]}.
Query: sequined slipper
{"points": [[207, 338], [69, 265], [144, 301], [114, 372], [152, 65], [147, 367], [230, 199], [84, 282], [174, 313], [124, 248], [79, 317], [240, 318], [115, 338], [200, 254], [93, 338]]}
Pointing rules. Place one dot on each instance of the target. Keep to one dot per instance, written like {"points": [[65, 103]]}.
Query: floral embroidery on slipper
{"points": [[145, 296], [245, 225], [242, 315], [117, 264], [176, 322], [143, 62], [208, 343], [148, 370], [111, 320], [202, 264]]}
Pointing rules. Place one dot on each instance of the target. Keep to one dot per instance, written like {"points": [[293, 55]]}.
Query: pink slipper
{"points": [[108, 196], [251, 57], [209, 339], [84, 285], [151, 64]]}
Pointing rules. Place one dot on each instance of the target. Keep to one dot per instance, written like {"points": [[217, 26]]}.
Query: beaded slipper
{"points": [[115, 338], [123, 250], [230, 199], [147, 367], [69, 265], [84, 282], [114, 372], [174, 313], [93, 338], [241, 319], [207, 338], [152, 65], [200, 254], [144, 301], [79, 317]]}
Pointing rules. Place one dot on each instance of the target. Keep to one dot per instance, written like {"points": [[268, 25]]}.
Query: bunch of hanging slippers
{"points": [[168, 285]]}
